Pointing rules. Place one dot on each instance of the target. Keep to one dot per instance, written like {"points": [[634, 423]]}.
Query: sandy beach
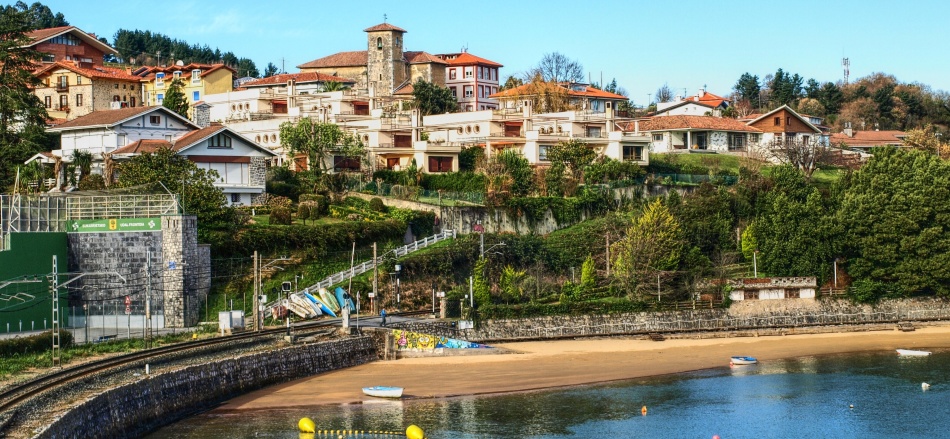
{"points": [[549, 364]]}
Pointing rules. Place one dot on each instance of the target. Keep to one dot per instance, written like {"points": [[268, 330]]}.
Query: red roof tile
{"points": [[92, 72], [41, 35], [661, 123], [588, 91], [422, 58], [196, 136], [869, 138], [340, 59], [143, 146], [405, 90], [148, 73], [382, 27], [465, 58], [114, 117], [299, 77]]}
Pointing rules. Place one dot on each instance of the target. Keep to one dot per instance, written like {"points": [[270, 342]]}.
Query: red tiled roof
{"points": [[707, 98], [93, 72], [340, 59], [41, 35], [465, 58], [661, 123], [144, 146], [196, 136], [869, 138], [422, 58], [589, 92], [148, 74], [405, 89], [106, 117], [299, 77], [383, 26]]}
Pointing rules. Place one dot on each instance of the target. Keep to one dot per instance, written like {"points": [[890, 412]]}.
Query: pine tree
{"points": [[175, 99], [22, 115]]}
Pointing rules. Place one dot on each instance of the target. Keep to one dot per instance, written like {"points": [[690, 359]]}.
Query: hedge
{"points": [[35, 344]]}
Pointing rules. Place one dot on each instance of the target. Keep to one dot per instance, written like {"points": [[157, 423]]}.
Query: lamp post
{"points": [[398, 299]]}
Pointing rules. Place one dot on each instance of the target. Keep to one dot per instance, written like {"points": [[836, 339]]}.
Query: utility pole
{"points": [[148, 298], [608, 254], [54, 289], [482, 244], [375, 280], [257, 281]]}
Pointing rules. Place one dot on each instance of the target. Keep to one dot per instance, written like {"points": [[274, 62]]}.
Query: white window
{"points": [[657, 137], [177, 74], [468, 72], [543, 153], [120, 140], [196, 75], [160, 98], [468, 91]]}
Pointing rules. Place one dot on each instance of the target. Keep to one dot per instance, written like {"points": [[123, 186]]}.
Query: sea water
{"points": [[867, 395]]}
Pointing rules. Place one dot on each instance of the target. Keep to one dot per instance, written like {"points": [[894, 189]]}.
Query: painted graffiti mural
{"points": [[415, 340]]}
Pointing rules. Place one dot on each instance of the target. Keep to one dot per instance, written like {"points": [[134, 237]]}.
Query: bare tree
{"points": [[806, 156], [558, 68], [664, 93]]}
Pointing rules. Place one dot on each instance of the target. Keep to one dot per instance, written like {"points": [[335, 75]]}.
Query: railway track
{"points": [[18, 394]]}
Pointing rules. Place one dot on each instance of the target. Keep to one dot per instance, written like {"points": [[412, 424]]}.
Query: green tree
{"points": [[83, 162], [574, 155], [896, 217], [175, 98], [334, 86], [748, 88], [320, 142], [831, 98], [481, 287], [39, 15], [195, 186], [511, 284], [651, 245], [429, 98], [796, 238], [515, 166], [270, 70], [588, 276], [785, 89], [512, 82], [22, 115]]}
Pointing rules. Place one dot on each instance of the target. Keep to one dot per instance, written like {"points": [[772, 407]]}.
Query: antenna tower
{"points": [[846, 63]]}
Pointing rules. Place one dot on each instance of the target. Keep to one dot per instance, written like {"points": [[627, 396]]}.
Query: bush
{"points": [[35, 344], [404, 192], [376, 204], [92, 182], [280, 216], [455, 182]]}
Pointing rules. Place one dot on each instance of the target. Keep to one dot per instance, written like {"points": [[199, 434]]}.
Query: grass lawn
{"points": [[713, 161], [264, 220]]}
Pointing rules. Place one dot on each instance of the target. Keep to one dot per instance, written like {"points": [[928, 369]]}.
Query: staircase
{"points": [[357, 270]]}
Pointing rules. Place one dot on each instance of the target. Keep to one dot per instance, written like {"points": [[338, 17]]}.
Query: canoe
{"points": [[383, 391], [304, 304], [319, 303], [742, 360], [342, 297], [912, 353], [327, 298]]}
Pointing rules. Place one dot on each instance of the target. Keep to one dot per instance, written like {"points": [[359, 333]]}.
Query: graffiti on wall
{"points": [[415, 340]]}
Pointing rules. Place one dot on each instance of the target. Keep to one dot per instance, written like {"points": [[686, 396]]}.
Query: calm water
{"points": [[805, 397]]}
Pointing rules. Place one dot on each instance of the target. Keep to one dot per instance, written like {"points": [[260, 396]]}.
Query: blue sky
{"points": [[686, 44]]}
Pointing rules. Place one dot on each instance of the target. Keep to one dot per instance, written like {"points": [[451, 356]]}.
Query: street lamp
{"points": [[398, 270]]}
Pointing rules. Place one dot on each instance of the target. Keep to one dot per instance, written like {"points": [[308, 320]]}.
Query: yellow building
{"points": [[198, 80]]}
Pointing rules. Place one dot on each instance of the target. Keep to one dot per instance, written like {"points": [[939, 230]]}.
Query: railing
{"points": [[364, 267], [62, 87], [694, 179]]}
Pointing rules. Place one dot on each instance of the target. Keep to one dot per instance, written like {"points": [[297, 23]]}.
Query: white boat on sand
{"points": [[383, 391], [912, 353], [736, 361]]}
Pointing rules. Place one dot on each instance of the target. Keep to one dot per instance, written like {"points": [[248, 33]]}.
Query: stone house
{"points": [[772, 288], [69, 90]]}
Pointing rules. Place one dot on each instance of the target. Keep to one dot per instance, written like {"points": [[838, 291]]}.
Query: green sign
{"points": [[115, 225]]}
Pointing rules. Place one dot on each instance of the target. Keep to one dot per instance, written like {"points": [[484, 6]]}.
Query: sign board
{"points": [[440, 294], [285, 287], [114, 225], [128, 300], [128, 309]]}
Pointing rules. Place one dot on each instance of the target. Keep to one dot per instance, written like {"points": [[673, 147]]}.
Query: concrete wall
{"points": [[785, 313], [134, 409]]}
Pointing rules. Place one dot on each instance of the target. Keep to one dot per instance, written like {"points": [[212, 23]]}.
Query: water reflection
{"points": [[801, 397]]}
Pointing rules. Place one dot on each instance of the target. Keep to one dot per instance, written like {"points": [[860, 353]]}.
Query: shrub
{"points": [[404, 192], [35, 344], [376, 204], [280, 215], [92, 182], [455, 182]]}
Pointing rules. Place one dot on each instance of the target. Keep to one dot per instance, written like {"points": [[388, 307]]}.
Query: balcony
{"points": [[60, 87]]}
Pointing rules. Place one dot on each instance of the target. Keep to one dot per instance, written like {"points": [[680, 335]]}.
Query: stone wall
{"points": [[785, 313], [122, 252], [180, 263], [133, 409]]}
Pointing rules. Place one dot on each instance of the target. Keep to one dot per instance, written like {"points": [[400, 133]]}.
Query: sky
{"points": [[685, 44]]}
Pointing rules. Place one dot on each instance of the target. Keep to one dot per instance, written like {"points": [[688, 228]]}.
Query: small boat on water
{"points": [[912, 353], [737, 361], [383, 391]]}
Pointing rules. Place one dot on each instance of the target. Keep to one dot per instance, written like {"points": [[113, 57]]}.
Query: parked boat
{"points": [[383, 391], [735, 361], [912, 353]]}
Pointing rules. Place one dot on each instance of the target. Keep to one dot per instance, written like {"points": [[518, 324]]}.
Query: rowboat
{"points": [[736, 361], [383, 391], [912, 353]]}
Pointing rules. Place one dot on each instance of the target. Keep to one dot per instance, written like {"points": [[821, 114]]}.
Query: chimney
{"points": [[847, 129], [678, 98], [202, 115], [414, 122], [526, 114], [609, 109]]}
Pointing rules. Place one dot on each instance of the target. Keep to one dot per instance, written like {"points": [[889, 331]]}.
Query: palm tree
{"points": [[334, 86], [82, 161]]}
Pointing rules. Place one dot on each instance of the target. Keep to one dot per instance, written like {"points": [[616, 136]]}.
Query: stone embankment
{"points": [[773, 316], [149, 402]]}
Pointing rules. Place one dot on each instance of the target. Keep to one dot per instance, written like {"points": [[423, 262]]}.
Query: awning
{"points": [[280, 101]]}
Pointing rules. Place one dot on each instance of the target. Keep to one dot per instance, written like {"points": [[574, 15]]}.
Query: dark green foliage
{"points": [[146, 46], [469, 158], [280, 216], [785, 89], [708, 218], [430, 98], [376, 204], [39, 15], [607, 169], [869, 291], [175, 99], [563, 308], [896, 218], [93, 182], [283, 182], [33, 344], [748, 88], [454, 181], [518, 168], [312, 240]]}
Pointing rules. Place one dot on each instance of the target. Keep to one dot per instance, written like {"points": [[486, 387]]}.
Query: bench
{"points": [[104, 338]]}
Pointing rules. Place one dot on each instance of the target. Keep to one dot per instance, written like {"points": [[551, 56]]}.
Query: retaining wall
{"points": [[761, 314], [134, 409]]}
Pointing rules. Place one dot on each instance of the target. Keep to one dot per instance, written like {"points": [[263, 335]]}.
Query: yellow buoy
{"points": [[644, 410], [306, 425], [414, 432]]}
